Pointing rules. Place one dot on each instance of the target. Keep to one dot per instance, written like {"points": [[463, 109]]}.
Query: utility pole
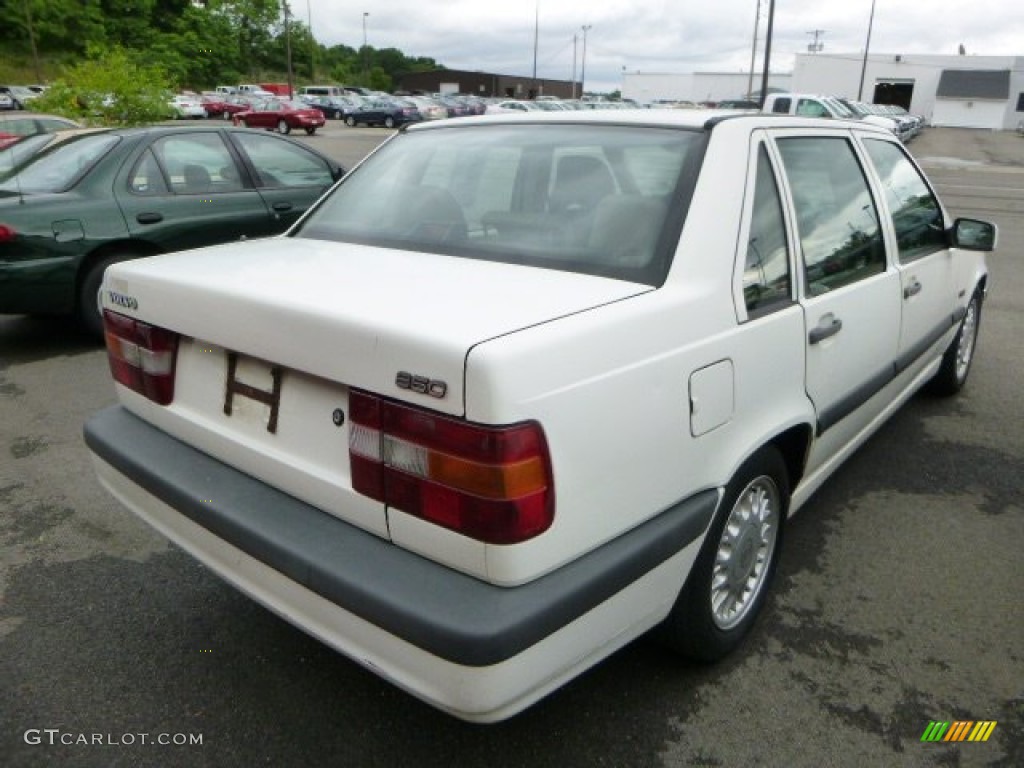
{"points": [[536, 36], [574, 66], [366, 68], [767, 51], [288, 49], [32, 42], [867, 47], [753, 51], [312, 44], [583, 65]]}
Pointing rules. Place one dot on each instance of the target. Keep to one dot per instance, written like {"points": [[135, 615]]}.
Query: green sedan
{"points": [[70, 211]]}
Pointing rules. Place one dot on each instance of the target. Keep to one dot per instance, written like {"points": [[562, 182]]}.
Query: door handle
{"points": [[282, 206], [912, 290], [822, 332], [149, 218]]}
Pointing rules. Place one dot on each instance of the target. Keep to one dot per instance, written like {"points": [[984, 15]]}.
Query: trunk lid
{"points": [[276, 332], [349, 313]]}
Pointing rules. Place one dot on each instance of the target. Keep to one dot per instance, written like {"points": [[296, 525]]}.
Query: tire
{"points": [[283, 127], [245, 123], [88, 308], [956, 361], [389, 122], [311, 130], [732, 574], [350, 121]]}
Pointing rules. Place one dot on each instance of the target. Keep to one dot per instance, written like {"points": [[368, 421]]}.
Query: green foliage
{"points": [[109, 88], [221, 42], [379, 80]]}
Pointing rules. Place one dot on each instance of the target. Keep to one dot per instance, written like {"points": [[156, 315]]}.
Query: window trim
{"points": [[760, 139]]}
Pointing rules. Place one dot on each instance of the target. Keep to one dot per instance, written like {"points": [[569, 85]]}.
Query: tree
{"points": [[109, 88]]}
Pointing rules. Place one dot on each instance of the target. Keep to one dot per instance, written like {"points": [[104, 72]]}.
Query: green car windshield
{"points": [[57, 169]]}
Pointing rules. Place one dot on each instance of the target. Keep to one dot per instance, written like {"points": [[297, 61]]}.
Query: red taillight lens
{"points": [[142, 356], [7, 233], [489, 483]]}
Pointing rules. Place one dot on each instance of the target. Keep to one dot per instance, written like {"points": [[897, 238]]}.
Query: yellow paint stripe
{"points": [[991, 726]]}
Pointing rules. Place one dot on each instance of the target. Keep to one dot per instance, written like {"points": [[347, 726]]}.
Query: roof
{"points": [[974, 84]]}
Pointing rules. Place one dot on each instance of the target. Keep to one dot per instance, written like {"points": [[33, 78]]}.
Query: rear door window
{"points": [[840, 237]]}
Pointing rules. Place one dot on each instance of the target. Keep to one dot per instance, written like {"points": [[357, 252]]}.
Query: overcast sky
{"points": [[658, 35]]}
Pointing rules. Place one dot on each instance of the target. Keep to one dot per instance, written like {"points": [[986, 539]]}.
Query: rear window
{"points": [[599, 199], [58, 168]]}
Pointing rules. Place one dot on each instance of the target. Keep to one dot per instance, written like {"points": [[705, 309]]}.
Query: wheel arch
{"points": [[793, 445], [137, 248]]}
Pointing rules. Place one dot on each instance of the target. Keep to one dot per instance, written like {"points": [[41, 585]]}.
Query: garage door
{"points": [[958, 113]]}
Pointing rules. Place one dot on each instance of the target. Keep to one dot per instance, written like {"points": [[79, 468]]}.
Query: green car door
{"points": [[289, 176], [188, 190]]}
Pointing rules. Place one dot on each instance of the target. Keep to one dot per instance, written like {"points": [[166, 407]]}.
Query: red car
{"points": [[281, 115], [218, 105]]}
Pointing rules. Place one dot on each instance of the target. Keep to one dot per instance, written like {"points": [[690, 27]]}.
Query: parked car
{"points": [[810, 105], [6, 102], [186, 107], [110, 195], [511, 106], [334, 107], [738, 104], [455, 106], [281, 115], [222, 105], [429, 108], [583, 365], [389, 112], [20, 95], [15, 125]]}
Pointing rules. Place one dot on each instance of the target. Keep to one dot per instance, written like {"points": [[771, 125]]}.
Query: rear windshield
{"points": [[599, 199], [58, 168]]}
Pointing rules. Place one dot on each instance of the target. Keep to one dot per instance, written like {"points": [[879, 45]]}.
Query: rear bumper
{"points": [[476, 650]]}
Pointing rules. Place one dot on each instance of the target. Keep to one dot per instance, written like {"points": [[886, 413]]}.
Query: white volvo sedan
{"points": [[521, 388]]}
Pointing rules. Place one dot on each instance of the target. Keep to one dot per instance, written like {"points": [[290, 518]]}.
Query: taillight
{"points": [[7, 233], [141, 356], [492, 484]]}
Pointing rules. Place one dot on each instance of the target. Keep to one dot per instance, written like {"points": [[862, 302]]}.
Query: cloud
{"points": [[658, 35]]}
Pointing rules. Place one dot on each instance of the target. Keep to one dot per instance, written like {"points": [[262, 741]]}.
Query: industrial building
{"points": [[488, 84], [956, 91]]}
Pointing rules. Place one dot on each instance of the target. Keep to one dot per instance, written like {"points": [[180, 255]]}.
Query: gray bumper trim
{"points": [[449, 614]]}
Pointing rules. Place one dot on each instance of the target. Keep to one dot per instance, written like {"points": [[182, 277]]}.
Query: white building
{"points": [[960, 91]]}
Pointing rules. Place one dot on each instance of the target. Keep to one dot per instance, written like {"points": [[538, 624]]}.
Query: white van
{"points": [[322, 90]]}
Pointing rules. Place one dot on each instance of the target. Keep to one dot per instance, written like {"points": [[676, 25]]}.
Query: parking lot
{"points": [[898, 601]]}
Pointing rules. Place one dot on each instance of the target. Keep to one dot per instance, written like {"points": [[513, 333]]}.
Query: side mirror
{"points": [[974, 235]]}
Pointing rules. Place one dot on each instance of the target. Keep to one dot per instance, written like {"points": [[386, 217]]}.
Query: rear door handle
{"points": [[282, 207], [149, 218], [912, 290], [822, 332]]}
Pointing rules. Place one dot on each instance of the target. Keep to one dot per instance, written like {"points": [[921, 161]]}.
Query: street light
{"points": [[583, 63], [366, 66]]}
